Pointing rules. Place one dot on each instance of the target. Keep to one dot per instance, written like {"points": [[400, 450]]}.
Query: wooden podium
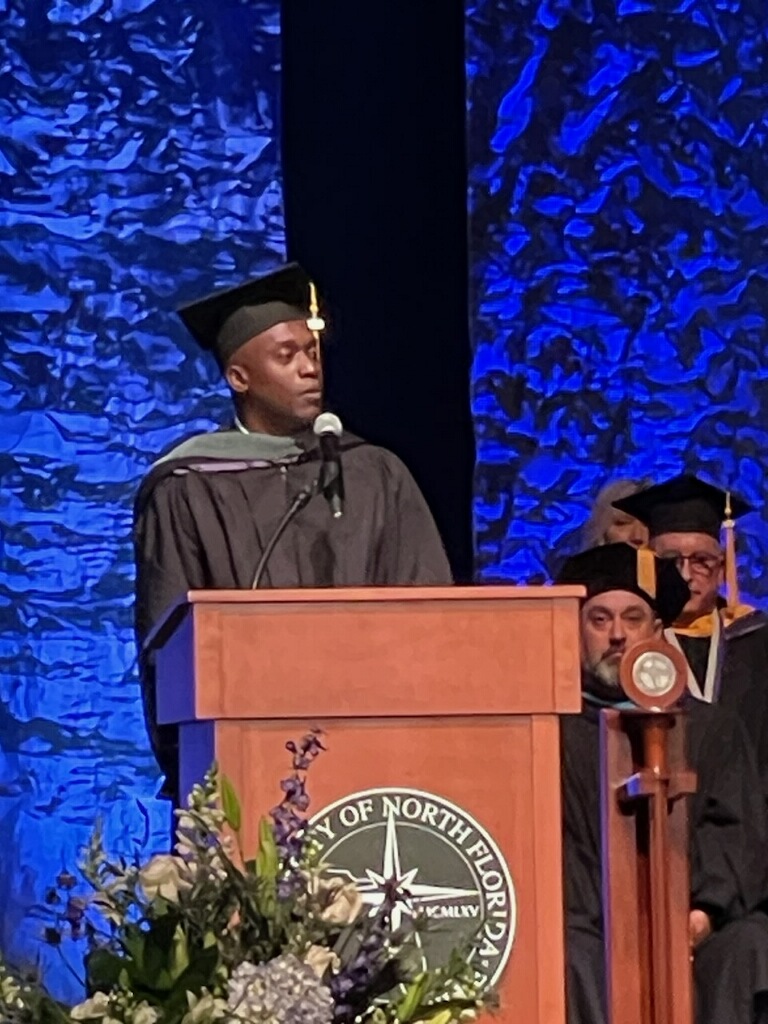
{"points": [[449, 691]]}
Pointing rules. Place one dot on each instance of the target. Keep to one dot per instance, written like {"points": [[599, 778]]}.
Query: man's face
{"points": [[279, 376], [610, 623], [699, 558], [626, 529]]}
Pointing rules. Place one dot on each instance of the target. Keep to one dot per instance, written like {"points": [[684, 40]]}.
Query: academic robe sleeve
{"points": [[582, 871], [582, 855], [167, 551], [747, 660], [167, 566], [411, 551], [729, 848]]}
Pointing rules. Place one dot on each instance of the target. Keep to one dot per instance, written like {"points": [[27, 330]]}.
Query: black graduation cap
{"points": [[226, 320], [621, 567], [683, 504]]}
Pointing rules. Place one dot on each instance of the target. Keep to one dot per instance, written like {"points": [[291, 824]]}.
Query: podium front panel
{"points": [[502, 772], [439, 706]]}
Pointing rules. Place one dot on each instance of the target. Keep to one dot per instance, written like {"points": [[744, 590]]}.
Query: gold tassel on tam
{"points": [[734, 609], [731, 577], [315, 322]]}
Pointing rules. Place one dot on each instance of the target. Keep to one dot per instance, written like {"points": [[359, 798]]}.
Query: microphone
{"points": [[301, 500], [328, 429]]}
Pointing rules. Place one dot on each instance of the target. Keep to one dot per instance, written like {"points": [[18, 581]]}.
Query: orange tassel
{"points": [[646, 571]]}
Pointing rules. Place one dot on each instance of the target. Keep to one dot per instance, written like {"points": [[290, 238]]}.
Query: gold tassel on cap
{"points": [[315, 322], [646, 571], [731, 576]]}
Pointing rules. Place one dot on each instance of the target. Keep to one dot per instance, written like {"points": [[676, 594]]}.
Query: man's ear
{"points": [[237, 378], [658, 629]]}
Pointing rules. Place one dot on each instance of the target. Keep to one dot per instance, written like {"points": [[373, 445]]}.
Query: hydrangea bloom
{"points": [[282, 991]]}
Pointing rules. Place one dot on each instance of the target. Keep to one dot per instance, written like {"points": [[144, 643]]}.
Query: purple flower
{"points": [[289, 823], [372, 971], [74, 914], [306, 751], [295, 793], [287, 887]]}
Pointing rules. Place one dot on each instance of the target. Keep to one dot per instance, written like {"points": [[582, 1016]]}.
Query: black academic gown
{"points": [[729, 868], [744, 678], [203, 523]]}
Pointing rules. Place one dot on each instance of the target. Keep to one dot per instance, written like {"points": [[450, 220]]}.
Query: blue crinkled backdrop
{"points": [[619, 200], [139, 168], [619, 212]]}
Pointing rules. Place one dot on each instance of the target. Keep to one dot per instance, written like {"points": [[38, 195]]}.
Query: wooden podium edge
{"points": [[482, 592], [547, 864]]}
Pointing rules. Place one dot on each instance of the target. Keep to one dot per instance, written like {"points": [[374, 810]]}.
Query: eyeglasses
{"points": [[700, 562]]}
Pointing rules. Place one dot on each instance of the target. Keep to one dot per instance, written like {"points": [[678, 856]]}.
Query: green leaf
{"points": [[267, 859], [411, 1001], [441, 1016], [155, 958], [133, 943], [200, 974], [179, 959], [52, 1013], [230, 804], [160, 907], [102, 970]]}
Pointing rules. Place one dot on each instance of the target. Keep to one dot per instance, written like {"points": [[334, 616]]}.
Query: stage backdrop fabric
{"points": [[619, 205], [139, 169]]}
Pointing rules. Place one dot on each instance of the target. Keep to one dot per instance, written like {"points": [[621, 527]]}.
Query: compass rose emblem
{"points": [[444, 865]]}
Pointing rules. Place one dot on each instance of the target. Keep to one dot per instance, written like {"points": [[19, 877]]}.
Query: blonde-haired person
{"points": [[607, 525]]}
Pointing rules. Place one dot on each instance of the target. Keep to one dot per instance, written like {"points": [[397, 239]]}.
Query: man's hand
{"points": [[699, 927]]}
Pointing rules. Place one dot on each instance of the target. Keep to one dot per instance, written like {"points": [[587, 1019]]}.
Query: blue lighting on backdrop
{"points": [[139, 168], [619, 210]]}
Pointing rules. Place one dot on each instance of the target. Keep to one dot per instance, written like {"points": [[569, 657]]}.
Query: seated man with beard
{"points": [[631, 596]]}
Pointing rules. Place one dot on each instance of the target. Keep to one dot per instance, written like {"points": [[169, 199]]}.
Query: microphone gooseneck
{"points": [[301, 500]]}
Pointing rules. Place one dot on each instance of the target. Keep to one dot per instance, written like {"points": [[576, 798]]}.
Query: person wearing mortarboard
{"points": [[724, 641], [206, 510], [631, 596]]}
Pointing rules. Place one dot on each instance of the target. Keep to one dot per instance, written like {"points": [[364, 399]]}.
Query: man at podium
{"points": [[268, 500], [631, 596]]}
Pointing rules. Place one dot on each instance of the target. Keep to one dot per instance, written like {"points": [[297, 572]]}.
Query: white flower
{"points": [[166, 876], [10, 993], [320, 958], [205, 1009], [343, 901], [95, 1008], [145, 1014]]}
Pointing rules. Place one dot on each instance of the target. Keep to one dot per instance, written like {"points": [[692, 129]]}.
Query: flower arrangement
{"points": [[201, 936]]}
